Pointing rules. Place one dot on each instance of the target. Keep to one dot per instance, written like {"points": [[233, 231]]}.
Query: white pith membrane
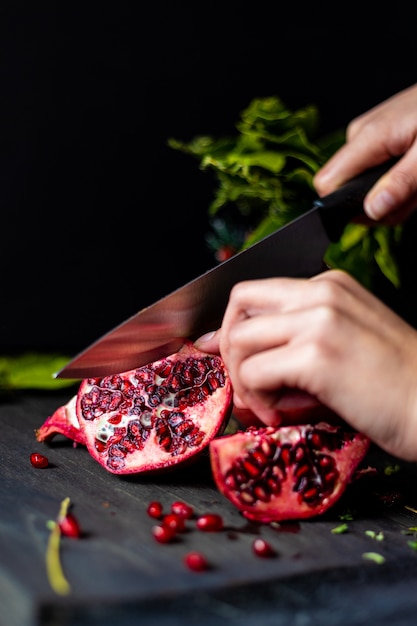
{"points": [[105, 428], [70, 412]]}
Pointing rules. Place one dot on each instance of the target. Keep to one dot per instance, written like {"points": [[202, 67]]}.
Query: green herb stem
{"points": [[54, 570]]}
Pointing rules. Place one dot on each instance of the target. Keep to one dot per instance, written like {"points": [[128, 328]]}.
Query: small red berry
{"points": [[163, 534], [210, 522], [39, 460], [155, 509], [182, 509], [175, 522], [196, 561], [224, 252], [69, 526], [263, 548]]}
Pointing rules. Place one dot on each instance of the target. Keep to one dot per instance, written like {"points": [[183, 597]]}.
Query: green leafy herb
{"points": [[374, 556], [373, 535], [32, 371], [339, 530], [347, 516], [412, 544], [391, 469], [265, 179]]}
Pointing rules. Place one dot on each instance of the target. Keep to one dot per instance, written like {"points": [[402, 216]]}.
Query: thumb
{"points": [[209, 342], [395, 191]]}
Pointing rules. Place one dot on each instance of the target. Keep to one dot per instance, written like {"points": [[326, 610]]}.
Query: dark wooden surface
{"points": [[120, 575]]}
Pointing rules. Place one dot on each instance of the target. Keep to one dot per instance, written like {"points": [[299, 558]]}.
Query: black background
{"points": [[100, 217]]}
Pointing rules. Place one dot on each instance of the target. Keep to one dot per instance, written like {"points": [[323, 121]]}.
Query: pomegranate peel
{"points": [[63, 421], [289, 472]]}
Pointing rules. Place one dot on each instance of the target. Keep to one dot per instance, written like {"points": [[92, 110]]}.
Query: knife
{"points": [[295, 250]]}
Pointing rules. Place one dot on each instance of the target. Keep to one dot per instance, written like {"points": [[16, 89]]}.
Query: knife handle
{"points": [[338, 208]]}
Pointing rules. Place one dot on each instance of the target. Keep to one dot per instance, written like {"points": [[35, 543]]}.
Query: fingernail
{"points": [[380, 205], [322, 175], [206, 337], [320, 179]]}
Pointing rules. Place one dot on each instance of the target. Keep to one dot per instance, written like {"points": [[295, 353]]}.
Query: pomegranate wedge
{"points": [[149, 418], [289, 472]]}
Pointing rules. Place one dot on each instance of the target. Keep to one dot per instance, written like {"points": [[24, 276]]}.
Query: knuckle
{"points": [[330, 289], [405, 180]]}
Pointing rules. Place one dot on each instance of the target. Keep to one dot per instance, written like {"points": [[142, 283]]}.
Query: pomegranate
{"points": [[293, 407], [149, 418], [290, 472]]}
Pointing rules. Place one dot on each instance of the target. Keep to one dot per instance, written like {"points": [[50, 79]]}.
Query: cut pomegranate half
{"points": [[150, 418], [289, 472]]}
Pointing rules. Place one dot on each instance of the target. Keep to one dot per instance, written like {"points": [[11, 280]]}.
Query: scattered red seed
{"points": [[263, 548], [155, 509], [210, 522], [175, 522], [183, 509], [69, 526], [196, 561], [163, 534], [39, 460]]}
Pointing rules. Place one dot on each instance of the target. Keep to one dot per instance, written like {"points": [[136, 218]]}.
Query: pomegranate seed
{"points": [[210, 522], [69, 526], [163, 534], [182, 509], [154, 509], [263, 548], [175, 522], [196, 561], [39, 460]]}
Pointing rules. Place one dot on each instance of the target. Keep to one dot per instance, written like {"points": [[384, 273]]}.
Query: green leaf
{"points": [[267, 159], [374, 535], [265, 176], [388, 239], [32, 371], [341, 529], [391, 469]]}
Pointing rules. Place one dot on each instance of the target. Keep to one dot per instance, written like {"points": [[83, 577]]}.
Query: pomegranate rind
{"points": [[250, 472], [63, 421], [111, 408]]}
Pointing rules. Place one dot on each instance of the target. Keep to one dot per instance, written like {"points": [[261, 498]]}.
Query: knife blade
{"points": [[295, 250]]}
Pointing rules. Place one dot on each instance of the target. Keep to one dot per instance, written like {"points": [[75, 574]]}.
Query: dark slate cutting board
{"points": [[120, 575]]}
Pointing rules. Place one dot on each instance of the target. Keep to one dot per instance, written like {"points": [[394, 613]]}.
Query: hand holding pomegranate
{"points": [[332, 340], [387, 130]]}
